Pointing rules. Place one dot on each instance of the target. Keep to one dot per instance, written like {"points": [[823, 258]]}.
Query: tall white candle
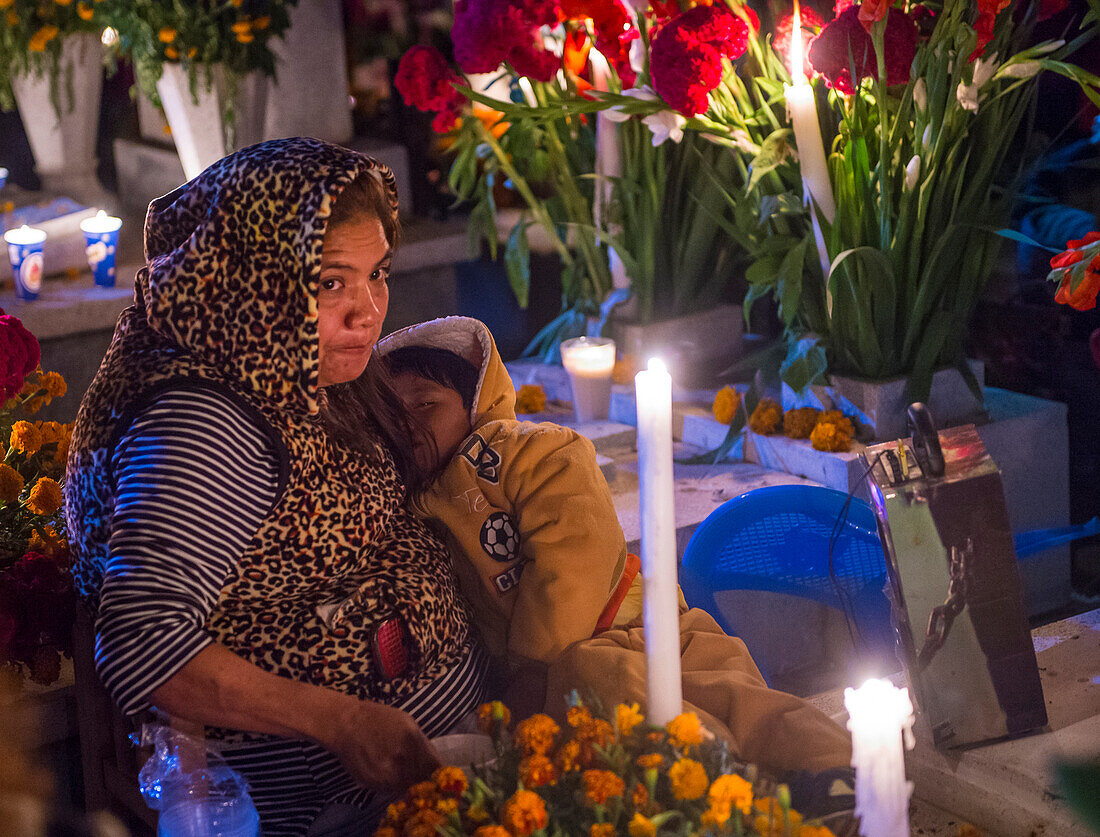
{"points": [[880, 717], [807, 131], [608, 161], [661, 613]]}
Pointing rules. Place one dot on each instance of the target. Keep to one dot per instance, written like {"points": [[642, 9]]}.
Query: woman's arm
{"points": [[380, 746]]}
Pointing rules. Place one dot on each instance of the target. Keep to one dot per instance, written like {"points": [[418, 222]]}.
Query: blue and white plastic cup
{"points": [[101, 243], [25, 251], [3, 176]]}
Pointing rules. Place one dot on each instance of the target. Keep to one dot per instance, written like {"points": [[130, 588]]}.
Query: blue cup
{"points": [[3, 176], [25, 251], [101, 242]]}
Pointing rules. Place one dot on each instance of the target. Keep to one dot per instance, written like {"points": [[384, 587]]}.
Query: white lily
{"points": [[970, 94], [926, 138], [920, 95], [644, 93], [1022, 69], [665, 124], [912, 172]]}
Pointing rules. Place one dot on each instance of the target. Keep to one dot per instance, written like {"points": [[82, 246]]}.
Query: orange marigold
{"points": [[450, 780], [492, 831], [731, 790], [688, 779], [535, 735], [43, 36], [245, 37], [26, 438], [11, 484], [627, 718], [52, 544], [446, 806], [823, 831], [799, 423], [261, 22], [53, 383], [770, 822], [601, 785], [166, 35], [424, 823], [641, 826], [45, 497], [839, 419], [766, 418], [536, 771], [493, 715], [601, 829], [830, 437], [595, 735], [524, 813], [578, 715], [84, 11], [716, 815], [640, 797], [685, 730], [531, 398], [726, 403], [567, 758], [396, 813], [386, 831], [650, 761], [965, 830]]}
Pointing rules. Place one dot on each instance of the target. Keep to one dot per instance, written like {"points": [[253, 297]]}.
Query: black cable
{"points": [[846, 605]]}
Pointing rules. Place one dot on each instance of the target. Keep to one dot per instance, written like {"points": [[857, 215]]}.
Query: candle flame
{"points": [[797, 74], [657, 365]]}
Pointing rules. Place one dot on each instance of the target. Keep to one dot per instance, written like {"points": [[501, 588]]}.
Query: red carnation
{"points": [[844, 44], [811, 25], [686, 55], [424, 79], [487, 33], [19, 355]]}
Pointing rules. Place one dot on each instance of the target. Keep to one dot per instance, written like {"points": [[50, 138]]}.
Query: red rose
{"points": [[19, 355], [686, 55], [844, 44]]}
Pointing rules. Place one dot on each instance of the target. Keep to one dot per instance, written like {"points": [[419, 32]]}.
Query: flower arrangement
{"points": [[37, 603], [598, 778], [921, 100], [32, 34], [232, 37], [1077, 272]]}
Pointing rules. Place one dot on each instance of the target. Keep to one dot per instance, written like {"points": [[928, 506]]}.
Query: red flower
{"points": [[686, 55], [19, 355], [489, 32], [613, 28], [872, 11], [987, 20], [811, 25], [37, 598], [1083, 297], [424, 79], [1090, 238], [844, 44], [1050, 8], [842, 5]]}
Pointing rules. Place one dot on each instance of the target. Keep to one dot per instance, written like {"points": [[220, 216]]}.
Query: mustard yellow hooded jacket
{"points": [[538, 548]]}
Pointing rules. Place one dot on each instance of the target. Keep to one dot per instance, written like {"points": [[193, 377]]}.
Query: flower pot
{"points": [[881, 405], [197, 122], [64, 143], [309, 96], [696, 347]]}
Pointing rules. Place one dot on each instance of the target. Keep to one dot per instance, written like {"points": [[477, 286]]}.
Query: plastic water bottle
{"points": [[210, 816]]}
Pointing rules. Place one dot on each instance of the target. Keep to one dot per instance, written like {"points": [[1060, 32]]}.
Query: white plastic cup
{"points": [[589, 362], [211, 817]]}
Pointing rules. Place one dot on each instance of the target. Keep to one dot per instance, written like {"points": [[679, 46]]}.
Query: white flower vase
{"points": [[197, 122], [309, 95], [64, 144]]}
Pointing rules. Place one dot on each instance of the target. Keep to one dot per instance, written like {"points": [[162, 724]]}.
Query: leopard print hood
{"points": [[233, 263]]}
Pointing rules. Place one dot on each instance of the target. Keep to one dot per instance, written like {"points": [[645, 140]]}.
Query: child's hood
{"points": [[495, 396]]}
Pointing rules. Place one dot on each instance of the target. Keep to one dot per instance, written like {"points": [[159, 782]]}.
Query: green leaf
{"points": [[804, 365], [773, 151], [517, 262], [789, 282]]}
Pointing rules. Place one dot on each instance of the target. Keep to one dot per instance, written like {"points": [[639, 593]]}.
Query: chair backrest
{"points": [[777, 539]]}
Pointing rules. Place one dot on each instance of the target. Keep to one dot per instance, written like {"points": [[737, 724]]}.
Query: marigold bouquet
{"points": [[37, 603], [32, 33], [598, 778], [230, 36]]}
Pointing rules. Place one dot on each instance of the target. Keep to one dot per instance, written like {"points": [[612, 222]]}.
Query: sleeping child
{"points": [[542, 559]]}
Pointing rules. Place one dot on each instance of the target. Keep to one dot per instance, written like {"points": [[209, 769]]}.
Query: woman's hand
{"points": [[382, 747]]}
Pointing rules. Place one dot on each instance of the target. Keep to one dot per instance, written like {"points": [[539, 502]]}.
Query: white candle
{"points": [[880, 718], [589, 362], [807, 132], [661, 601], [608, 162], [25, 235], [101, 223]]}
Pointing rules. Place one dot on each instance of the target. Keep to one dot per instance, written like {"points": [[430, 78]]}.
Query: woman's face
{"points": [[353, 298]]}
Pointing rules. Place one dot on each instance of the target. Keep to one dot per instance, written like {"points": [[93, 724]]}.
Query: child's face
{"points": [[442, 413]]}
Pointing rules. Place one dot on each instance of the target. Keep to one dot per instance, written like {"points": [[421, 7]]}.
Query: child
{"points": [[541, 556]]}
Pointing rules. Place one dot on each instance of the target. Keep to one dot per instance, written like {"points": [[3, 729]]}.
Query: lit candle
{"points": [[661, 613], [101, 243], [101, 223], [807, 132], [589, 362], [880, 718], [25, 252]]}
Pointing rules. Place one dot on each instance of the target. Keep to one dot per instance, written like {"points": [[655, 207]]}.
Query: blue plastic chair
{"points": [[776, 539]]}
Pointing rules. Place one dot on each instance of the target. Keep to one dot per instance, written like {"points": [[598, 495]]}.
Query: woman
{"points": [[251, 560]]}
